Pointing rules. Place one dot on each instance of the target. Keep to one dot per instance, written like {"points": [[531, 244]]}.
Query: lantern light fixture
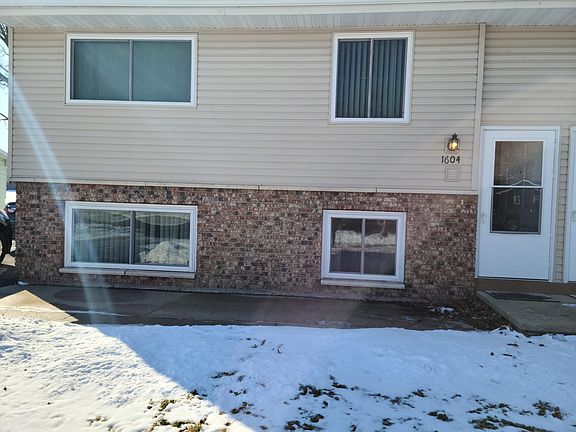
{"points": [[453, 143]]}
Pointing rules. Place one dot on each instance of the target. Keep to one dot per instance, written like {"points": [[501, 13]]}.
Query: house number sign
{"points": [[449, 160]]}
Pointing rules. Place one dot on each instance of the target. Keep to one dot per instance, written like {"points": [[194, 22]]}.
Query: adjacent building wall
{"points": [[262, 118], [530, 80]]}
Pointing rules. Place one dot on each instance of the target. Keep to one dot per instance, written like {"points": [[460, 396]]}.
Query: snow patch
{"points": [[66, 377], [442, 310]]}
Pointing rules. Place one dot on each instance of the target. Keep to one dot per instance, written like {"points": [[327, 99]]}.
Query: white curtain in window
{"points": [[101, 236]]}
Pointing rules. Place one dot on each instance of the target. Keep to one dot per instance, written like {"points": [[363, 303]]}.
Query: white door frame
{"points": [[553, 213], [570, 205]]}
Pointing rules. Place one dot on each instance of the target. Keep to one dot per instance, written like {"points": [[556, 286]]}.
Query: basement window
{"points": [[363, 245], [130, 236], [152, 69]]}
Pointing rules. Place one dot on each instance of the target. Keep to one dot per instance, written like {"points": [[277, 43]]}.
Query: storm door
{"points": [[516, 204], [571, 216]]}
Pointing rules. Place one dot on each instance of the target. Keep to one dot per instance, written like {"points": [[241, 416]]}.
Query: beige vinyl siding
{"points": [[530, 80], [262, 118]]}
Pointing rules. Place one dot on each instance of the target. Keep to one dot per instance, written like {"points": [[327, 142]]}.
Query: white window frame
{"points": [[192, 38], [409, 36], [400, 219], [68, 227]]}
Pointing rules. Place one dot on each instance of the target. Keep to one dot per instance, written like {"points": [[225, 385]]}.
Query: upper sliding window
{"points": [[372, 77], [131, 69]]}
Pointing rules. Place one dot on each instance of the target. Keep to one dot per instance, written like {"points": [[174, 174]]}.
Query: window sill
{"points": [[370, 121], [130, 104], [131, 272], [363, 283]]}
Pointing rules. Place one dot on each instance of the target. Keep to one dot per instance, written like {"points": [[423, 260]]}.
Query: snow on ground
{"points": [[65, 377]]}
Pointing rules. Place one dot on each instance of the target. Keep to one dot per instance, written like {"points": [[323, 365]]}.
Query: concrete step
{"points": [[534, 314]]}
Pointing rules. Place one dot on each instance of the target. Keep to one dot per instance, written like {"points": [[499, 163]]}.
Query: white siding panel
{"points": [[530, 80], [262, 118]]}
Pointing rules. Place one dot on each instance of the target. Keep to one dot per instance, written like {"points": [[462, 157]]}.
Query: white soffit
{"points": [[278, 14]]}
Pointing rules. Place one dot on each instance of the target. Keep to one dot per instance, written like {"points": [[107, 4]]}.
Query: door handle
{"points": [[574, 216]]}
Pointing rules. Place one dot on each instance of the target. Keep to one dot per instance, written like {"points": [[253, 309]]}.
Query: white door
{"points": [[571, 251], [516, 204]]}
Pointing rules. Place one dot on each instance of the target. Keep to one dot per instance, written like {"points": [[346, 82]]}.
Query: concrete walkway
{"points": [[534, 313], [131, 306]]}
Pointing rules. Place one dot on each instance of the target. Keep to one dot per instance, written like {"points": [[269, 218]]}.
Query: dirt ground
{"points": [[474, 313]]}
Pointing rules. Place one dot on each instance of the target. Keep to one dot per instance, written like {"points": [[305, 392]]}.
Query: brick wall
{"points": [[261, 241]]}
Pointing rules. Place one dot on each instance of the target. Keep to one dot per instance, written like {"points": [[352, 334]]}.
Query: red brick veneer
{"points": [[261, 241]]}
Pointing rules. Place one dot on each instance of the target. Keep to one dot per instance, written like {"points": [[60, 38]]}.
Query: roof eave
{"points": [[270, 7]]}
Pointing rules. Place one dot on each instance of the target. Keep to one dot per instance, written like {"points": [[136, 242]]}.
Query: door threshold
{"points": [[525, 286]]}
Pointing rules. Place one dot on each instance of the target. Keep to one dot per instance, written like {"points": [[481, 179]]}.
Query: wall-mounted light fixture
{"points": [[453, 143]]}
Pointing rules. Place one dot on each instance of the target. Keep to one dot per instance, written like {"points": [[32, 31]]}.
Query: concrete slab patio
{"points": [[534, 313], [132, 306]]}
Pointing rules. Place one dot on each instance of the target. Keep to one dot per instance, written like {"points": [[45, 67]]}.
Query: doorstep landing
{"points": [[553, 313]]}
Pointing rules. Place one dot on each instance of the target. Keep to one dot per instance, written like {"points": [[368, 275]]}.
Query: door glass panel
{"points": [[346, 245], [518, 163], [516, 210], [380, 247]]}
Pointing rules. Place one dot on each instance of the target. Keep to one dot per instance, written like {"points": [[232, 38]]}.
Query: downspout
{"points": [[478, 107], [478, 132]]}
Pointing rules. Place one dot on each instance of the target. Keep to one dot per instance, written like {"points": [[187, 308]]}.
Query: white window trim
{"points": [[193, 38], [409, 36], [399, 217], [68, 221]]}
